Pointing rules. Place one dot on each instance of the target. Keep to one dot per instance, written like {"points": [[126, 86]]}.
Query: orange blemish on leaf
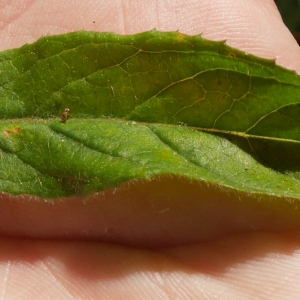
{"points": [[6, 133], [180, 36], [16, 129]]}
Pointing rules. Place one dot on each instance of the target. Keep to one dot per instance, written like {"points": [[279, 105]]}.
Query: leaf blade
{"points": [[150, 79]]}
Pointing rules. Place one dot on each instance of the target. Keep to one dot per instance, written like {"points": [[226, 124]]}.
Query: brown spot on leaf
{"points": [[231, 54], [6, 133], [222, 97], [16, 129]]}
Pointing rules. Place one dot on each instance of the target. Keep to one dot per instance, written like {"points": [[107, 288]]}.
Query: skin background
{"points": [[233, 263]]}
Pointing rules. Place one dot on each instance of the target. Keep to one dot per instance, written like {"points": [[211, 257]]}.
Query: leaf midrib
{"points": [[47, 121], [74, 140]]}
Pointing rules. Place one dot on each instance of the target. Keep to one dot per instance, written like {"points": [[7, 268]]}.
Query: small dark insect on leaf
{"points": [[65, 115]]}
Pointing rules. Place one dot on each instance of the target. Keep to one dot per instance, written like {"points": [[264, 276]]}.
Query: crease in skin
{"points": [[251, 263], [55, 276]]}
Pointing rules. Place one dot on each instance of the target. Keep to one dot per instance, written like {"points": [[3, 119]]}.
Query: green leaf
{"points": [[143, 106]]}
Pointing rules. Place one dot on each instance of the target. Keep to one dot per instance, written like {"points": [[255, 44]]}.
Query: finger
{"points": [[250, 25], [161, 212], [249, 266]]}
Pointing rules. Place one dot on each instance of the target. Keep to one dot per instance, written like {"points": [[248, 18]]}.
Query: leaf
{"points": [[143, 106]]}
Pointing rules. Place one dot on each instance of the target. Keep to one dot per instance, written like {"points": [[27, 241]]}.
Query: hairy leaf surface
{"points": [[142, 106]]}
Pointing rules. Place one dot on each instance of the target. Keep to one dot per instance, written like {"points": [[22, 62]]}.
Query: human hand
{"points": [[119, 240]]}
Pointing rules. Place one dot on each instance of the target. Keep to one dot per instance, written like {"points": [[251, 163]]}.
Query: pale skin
{"points": [[242, 261]]}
